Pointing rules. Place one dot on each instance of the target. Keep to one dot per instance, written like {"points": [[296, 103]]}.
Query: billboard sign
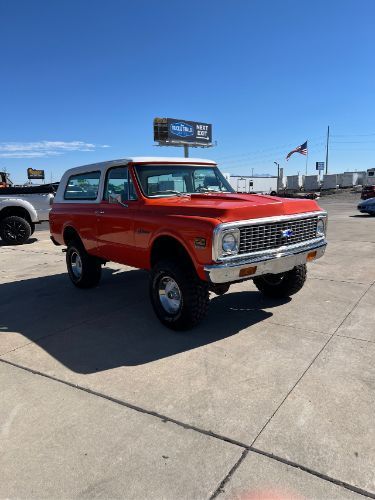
{"points": [[319, 165], [172, 130], [32, 173]]}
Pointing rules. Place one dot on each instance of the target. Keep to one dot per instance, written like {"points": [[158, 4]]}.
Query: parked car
{"points": [[367, 206], [368, 192], [181, 220], [20, 210]]}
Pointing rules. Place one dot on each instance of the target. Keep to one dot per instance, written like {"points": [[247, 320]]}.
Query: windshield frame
{"points": [[212, 167]]}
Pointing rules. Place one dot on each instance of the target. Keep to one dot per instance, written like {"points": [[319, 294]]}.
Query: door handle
{"points": [[99, 212]]}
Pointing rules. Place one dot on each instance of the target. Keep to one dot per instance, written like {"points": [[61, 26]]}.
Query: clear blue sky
{"points": [[77, 75]]}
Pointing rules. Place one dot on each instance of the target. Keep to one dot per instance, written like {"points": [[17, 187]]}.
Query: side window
{"points": [[119, 182], [82, 186]]}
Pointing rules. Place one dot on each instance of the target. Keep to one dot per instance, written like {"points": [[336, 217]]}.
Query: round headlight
{"points": [[229, 243], [320, 228]]}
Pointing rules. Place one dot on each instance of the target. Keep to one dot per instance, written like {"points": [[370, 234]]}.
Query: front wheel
{"points": [[179, 298], [282, 285], [84, 270]]}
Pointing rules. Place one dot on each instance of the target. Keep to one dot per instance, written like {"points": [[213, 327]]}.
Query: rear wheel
{"points": [[15, 230], [179, 298], [283, 284], [84, 270]]}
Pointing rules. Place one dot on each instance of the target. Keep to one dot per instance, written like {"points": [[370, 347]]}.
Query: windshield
{"points": [[171, 180]]}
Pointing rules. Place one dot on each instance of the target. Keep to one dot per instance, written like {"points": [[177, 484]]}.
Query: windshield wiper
{"points": [[171, 191]]}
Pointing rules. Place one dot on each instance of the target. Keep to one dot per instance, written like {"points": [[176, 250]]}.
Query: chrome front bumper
{"points": [[284, 259]]}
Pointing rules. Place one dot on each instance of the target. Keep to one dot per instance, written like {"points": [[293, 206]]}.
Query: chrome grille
{"points": [[258, 237]]}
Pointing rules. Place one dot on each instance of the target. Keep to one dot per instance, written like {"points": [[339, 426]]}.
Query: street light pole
{"points": [[278, 175]]}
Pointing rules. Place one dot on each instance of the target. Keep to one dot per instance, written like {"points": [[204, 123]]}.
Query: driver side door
{"points": [[115, 219]]}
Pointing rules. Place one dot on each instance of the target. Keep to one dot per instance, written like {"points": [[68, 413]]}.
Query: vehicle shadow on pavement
{"points": [[112, 325], [362, 216], [28, 242]]}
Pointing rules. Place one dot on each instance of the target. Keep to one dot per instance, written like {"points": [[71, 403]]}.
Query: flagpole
{"points": [[307, 157]]}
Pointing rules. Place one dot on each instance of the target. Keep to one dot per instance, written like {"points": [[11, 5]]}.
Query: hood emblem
{"points": [[287, 233]]}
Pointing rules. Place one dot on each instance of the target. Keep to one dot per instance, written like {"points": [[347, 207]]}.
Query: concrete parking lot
{"points": [[100, 400]]}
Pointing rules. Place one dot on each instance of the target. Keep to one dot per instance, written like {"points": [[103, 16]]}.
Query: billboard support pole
{"points": [[327, 150], [186, 151]]}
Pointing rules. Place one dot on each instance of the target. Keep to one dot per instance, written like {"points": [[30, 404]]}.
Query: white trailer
{"points": [[348, 180], [312, 182], [248, 184], [351, 179], [370, 177], [294, 182], [329, 181]]}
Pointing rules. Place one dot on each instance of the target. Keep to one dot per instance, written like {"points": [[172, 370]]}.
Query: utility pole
{"points": [[186, 151], [252, 172], [327, 150]]}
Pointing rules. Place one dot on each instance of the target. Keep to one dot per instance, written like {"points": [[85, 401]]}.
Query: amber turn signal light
{"points": [[311, 256], [248, 271]]}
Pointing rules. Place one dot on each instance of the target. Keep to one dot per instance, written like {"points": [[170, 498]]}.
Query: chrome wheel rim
{"points": [[169, 295], [76, 264]]}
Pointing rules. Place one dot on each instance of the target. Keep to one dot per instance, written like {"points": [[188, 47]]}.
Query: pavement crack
{"points": [[220, 489], [246, 447], [311, 363], [313, 472], [355, 338]]}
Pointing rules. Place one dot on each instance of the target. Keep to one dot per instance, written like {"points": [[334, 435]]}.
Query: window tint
{"points": [[119, 182], [83, 186]]}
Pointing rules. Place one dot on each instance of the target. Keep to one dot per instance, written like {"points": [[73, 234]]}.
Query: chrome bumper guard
{"points": [[279, 261]]}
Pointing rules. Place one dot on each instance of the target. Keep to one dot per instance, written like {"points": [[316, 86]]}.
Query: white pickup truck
{"points": [[22, 208]]}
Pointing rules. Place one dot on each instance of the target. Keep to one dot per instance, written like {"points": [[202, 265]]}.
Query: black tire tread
{"points": [[18, 219], [195, 295], [291, 284], [91, 266]]}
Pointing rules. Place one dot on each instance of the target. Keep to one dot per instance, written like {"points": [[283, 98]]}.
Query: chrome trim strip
{"points": [[264, 220]]}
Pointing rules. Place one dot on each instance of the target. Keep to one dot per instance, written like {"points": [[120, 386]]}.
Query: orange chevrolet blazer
{"points": [[180, 219]]}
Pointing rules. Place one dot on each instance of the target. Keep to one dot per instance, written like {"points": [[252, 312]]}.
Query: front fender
{"points": [[16, 202], [198, 256]]}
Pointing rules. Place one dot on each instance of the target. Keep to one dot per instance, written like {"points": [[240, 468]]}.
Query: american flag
{"points": [[302, 149]]}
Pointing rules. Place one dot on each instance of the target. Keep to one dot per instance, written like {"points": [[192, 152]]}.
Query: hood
{"points": [[228, 207], [370, 201]]}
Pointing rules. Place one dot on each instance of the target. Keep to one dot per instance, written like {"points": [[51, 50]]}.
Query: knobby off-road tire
{"points": [[84, 270], [14, 230], [179, 298], [282, 285]]}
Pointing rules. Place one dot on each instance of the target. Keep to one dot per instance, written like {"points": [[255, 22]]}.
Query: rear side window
{"points": [[82, 186]]}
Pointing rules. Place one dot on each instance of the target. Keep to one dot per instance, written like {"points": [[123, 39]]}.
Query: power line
{"points": [[279, 155], [352, 135], [353, 142], [281, 147]]}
